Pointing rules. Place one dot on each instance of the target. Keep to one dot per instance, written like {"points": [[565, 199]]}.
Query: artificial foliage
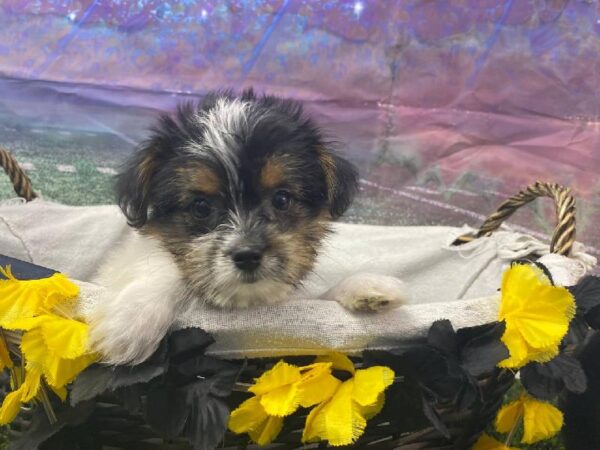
{"points": [[341, 408], [53, 342], [182, 393]]}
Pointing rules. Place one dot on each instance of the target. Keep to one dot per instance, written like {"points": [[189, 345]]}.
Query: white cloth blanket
{"points": [[444, 282]]}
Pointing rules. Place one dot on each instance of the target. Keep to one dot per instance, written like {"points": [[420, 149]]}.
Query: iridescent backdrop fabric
{"points": [[447, 107]]}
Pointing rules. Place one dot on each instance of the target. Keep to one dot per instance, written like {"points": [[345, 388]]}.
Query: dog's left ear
{"points": [[342, 182]]}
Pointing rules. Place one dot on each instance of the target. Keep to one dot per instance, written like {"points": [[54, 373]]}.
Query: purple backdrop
{"points": [[447, 107]]}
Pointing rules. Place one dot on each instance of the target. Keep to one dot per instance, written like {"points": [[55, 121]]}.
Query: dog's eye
{"points": [[282, 200], [201, 208]]}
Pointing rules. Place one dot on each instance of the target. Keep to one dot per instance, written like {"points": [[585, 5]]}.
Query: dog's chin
{"points": [[250, 292]]}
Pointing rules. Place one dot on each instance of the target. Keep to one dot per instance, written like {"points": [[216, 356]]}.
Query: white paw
{"points": [[117, 345], [369, 292]]}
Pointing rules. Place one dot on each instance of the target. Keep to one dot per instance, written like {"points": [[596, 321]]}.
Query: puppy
{"points": [[232, 199]]}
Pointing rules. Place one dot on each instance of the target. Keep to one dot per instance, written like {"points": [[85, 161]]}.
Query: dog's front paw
{"points": [[127, 326], [369, 292], [118, 344]]}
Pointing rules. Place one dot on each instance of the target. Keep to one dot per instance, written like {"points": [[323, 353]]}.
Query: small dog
{"points": [[232, 199]]}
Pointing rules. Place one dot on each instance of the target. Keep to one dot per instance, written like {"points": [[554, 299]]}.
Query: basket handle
{"points": [[564, 233], [19, 179]]}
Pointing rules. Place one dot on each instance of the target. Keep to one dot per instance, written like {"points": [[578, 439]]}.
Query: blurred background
{"points": [[447, 107]]}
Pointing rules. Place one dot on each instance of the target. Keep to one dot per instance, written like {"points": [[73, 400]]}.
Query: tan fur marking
{"points": [[272, 174], [329, 168], [201, 178], [301, 247], [145, 170]]}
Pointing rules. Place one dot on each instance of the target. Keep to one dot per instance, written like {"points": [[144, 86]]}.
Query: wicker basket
{"points": [[112, 425]]}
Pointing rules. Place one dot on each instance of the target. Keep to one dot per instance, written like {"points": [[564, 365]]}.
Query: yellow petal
{"points": [[281, 401], [10, 407], [520, 281], [311, 432], [267, 431], [34, 349], [5, 360], [57, 371], [339, 361], [30, 386], [26, 298], [370, 411], [60, 392], [66, 338], [24, 323], [508, 416], [317, 386], [280, 375], [60, 372], [25, 393], [248, 416], [486, 442], [369, 383], [337, 421], [536, 314], [541, 420]]}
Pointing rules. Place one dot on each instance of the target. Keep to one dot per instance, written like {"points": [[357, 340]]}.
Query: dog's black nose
{"points": [[247, 258]]}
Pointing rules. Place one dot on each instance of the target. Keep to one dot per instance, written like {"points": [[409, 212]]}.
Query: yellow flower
{"points": [[25, 393], [536, 314], [343, 408], [541, 420], [5, 361], [20, 299], [250, 417], [55, 346], [486, 442], [279, 392], [342, 419]]}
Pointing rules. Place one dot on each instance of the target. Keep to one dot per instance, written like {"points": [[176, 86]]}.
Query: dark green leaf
{"points": [[587, 293], [547, 380], [441, 336], [223, 382], [481, 351], [40, 429], [208, 418], [167, 410], [544, 388], [90, 383], [98, 379], [187, 343], [578, 330], [592, 317], [435, 419], [200, 365]]}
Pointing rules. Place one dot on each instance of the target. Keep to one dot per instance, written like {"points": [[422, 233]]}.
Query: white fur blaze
{"points": [[224, 125]]}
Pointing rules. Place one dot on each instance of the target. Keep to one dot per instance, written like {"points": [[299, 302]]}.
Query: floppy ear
{"points": [[342, 182], [133, 184]]}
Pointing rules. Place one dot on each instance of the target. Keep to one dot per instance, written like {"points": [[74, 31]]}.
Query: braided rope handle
{"points": [[19, 179], [564, 233]]}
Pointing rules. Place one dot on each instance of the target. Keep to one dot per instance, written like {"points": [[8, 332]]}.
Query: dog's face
{"points": [[240, 190]]}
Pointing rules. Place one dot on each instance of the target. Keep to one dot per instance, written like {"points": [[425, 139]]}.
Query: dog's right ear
{"points": [[134, 182]]}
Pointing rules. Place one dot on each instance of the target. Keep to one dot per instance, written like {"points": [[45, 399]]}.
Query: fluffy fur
{"points": [[232, 198]]}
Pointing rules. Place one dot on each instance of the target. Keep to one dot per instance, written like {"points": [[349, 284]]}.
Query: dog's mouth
{"points": [[250, 277]]}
